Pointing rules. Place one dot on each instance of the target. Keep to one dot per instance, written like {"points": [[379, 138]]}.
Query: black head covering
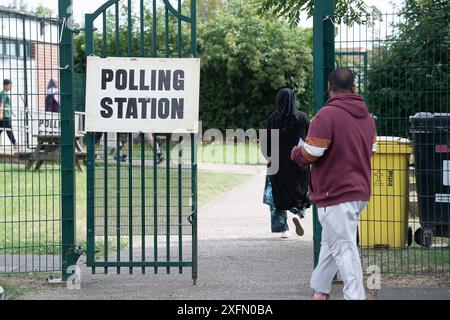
{"points": [[52, 84], [286, 108]]}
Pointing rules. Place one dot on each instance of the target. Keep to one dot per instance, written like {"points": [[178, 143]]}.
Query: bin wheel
{"points": [[410, 236], [419, 239], [418, 236]]}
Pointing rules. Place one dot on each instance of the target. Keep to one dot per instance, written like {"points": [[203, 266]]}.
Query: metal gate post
{"points": [[90, 144], [194, 138], [323, 54], [69, 256]]}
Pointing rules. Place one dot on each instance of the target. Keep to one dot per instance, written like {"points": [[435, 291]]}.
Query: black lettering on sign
{"points": [[132, 109], [178, 108], [163, 108], [142, 85], [164, 80], [107, 76], [121, 79], [133, 87], [153, 115], [107, 111], [178, 80], [120, 102], [141, 108], [153, 88], [144, 104]]}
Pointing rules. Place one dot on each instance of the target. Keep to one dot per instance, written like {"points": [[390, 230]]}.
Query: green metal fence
{"points": [[401, 64], [30, 172], [142, 210], [79, 91]]}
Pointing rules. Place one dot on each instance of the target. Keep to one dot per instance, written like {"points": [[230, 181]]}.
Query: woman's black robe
{"points": [[290, 183]]}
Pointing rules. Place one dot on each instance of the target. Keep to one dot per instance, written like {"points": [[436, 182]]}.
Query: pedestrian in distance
{"points": [[6, 112], [52, 97]]}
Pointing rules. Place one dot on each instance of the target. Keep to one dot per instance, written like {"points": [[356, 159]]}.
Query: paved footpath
{"points": [[238, 258]]}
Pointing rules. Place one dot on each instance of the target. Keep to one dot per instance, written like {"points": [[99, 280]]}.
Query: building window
{"points": [[14, 49], [11, 49]]}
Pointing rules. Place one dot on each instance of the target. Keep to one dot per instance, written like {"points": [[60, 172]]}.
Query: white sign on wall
{"points": [[149, 95]]}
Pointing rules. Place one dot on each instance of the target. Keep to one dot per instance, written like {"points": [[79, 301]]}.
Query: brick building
{"points": [[29, 56]]}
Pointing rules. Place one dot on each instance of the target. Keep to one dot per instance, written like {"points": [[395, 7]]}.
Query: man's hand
{"points": [[296, 156]]}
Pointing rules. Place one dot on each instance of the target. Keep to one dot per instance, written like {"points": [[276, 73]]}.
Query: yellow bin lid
{"points": [[394, 145]]}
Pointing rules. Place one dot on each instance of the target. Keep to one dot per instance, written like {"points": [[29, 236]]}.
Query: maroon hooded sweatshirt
{"points": [[339, 146]]}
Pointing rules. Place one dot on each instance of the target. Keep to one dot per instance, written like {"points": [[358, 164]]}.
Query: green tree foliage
{"points": [[246, 58], [43, 11], [347, 11], [126, 46], [23, 7], [410, 71], [206, 9]]}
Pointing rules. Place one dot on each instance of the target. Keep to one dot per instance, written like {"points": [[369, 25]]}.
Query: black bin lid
{"points": [[431, 122]]}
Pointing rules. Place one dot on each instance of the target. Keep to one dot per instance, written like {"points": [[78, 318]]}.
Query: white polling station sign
{"points": [[152, 95]]}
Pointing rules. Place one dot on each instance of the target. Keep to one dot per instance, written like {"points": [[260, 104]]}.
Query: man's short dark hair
{"points": [[6, 82], [342, 80]]}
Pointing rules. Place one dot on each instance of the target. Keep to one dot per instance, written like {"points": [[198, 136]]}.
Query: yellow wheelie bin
{"points": [[384, 223]]}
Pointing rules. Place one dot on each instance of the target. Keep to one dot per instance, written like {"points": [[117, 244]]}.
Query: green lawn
{"points": [[248, 153], [30, 205], [29, 209], [218, 153], [412, 260]]}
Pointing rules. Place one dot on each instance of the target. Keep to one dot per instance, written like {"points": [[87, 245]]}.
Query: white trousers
{"points": [[339, 250]]}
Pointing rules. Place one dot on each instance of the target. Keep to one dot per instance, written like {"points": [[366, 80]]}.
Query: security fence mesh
{"points": [[30, 176], [401, 64]]}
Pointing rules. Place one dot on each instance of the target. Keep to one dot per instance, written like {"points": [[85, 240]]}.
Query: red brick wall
{"points": [[47, 66]]}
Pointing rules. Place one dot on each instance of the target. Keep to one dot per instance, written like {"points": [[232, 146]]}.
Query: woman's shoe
{"points": [[159, 158], [122, 158], [298, 226], [285, 235]]}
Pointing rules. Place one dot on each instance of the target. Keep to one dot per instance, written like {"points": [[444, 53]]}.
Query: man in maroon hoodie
{"points": [[339, 146]]}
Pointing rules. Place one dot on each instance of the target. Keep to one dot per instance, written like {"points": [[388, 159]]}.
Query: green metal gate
{"points": [[142, 212]]}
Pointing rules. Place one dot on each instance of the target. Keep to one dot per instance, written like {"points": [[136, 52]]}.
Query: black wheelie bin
{"points": [[431, 142]]}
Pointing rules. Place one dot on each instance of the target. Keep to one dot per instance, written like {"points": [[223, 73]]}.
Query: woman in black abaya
{"points": [[287, 189]]}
